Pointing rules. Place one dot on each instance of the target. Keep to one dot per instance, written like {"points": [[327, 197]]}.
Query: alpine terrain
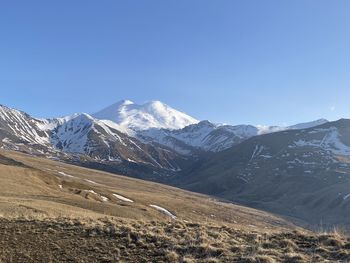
{"points": [[298, 173], [262, 190]]}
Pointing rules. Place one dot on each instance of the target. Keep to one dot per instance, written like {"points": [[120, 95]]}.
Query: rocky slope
{"points": [[209, 137], [204, 136], [299, 173], [81, 138]]}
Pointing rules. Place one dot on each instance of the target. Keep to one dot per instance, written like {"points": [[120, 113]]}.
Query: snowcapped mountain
{"points": [[211, 137], [82, 137], [264, 129], [83, 134], [157, 123], [151, 135], [131, 117], [20, 128], [303, 172], [202, 136]]}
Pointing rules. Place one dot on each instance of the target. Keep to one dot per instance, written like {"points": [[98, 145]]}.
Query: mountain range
{"points": [[299, 171], [123, 135]]}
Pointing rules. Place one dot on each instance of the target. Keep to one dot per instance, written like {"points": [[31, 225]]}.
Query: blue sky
{"points": [[258, 62]]}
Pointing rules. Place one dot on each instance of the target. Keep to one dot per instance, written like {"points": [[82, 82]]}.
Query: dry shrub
{"points": [[172, 256], [288, 244], [212, 260], [265, 259], [257, 259], [188, 259], [117, 240], [294, 258], [331, 241]]}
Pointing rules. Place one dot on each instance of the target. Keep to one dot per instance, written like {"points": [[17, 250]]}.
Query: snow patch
{"points": [[90, 181], [64, 174], [122, 198], [104, 199], [163, 210], [330, 142], [346, 196], [257, 151]]}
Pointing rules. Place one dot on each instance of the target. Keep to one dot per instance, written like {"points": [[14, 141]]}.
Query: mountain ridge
{"points": [[191, 140], [301, 173], [278, 171], [82, 138]]}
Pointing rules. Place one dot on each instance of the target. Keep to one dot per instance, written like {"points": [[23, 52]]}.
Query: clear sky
{"points": [[234, 61]]}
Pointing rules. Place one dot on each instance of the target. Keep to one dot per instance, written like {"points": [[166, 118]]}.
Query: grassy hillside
{"points": [[54, 212], [49, 188]]}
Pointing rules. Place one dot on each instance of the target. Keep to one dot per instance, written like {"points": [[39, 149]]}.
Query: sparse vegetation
{"points": [[113, 240], [42, 222]]}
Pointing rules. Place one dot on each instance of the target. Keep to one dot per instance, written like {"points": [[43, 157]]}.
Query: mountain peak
{"points": [[155, 102], [154, 114], [126, 102]]}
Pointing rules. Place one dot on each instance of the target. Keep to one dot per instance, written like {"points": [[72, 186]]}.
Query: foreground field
{"points": [[136, 241], [54, 212]]}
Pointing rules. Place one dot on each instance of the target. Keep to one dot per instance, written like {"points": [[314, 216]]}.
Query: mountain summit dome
{"points": [[154, 114]]}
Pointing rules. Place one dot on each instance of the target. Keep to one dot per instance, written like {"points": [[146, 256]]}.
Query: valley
{"points": [[56, 212], [281, 193]]}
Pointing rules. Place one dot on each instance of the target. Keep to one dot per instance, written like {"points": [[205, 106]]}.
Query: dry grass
{"points": [[35, 191], [41, 222], [112, 240]]}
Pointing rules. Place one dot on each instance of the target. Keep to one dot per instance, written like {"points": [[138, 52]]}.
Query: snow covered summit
{"points": [[133, 117]]}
